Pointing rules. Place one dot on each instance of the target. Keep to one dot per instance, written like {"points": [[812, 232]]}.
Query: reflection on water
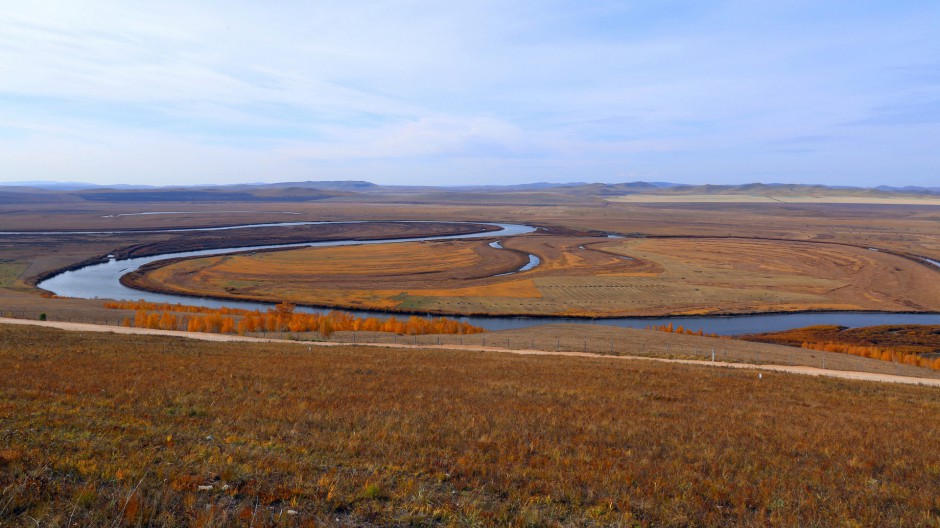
{"points": [[533, 261]]}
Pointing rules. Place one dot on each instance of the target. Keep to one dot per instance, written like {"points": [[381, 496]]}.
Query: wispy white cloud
{"points": [[393, 91]]}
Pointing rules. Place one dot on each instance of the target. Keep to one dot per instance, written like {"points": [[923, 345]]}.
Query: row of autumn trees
{"points": [[669, 328], [281, 318], [873, 352]]}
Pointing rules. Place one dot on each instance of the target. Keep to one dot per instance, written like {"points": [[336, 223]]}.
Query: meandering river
{"points": [[102, 281]]}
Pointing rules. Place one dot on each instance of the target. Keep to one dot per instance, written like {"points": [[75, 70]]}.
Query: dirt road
{"points": [[809, 371]]}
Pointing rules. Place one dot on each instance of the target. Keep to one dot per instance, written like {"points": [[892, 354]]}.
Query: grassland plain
{"points": [[577, 276], [99, 430], [908, 229], [904, 228]]}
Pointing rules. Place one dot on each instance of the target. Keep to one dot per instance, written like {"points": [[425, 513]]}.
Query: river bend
{"points": [[102, 281]]}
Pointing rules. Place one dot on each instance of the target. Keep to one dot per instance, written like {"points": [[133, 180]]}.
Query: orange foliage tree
{"points": [[281, 318], [873, 352], [668, 328]]}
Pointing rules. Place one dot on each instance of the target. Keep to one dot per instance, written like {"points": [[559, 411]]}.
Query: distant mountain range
{"points": [[68, 186], [540, 192]]}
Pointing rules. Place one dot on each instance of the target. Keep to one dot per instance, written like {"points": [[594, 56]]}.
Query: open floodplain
{"points": [[576, 276], [153, 430]]}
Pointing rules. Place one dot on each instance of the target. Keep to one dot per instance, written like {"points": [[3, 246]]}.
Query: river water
{"points": [[102, 281]]}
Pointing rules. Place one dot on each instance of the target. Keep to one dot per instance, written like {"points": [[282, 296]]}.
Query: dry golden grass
{"points": [[10, 272], [321, 275], [733, 276], [577, 276], [98, 430], [379, 260], [515, 289]]}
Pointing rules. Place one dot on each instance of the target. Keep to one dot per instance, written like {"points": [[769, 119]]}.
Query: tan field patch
{"points": [[516, 289], [373, 266], [10, 272], [650, 295], [753, 275], [367, 260]]}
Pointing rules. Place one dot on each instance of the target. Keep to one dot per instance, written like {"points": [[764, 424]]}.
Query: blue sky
{"points": [[413, 92]]}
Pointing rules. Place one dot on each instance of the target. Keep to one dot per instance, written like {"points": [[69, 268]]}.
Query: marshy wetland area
{"points": [[307, 418]]}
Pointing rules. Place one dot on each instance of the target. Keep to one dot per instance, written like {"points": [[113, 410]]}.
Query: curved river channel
{"points": [[102, 281]]}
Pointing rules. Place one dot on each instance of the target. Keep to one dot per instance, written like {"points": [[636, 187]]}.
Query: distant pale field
{"points": [[577, 276], [748, 198]]}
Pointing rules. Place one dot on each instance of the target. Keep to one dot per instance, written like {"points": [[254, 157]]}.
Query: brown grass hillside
{"points": [[98, 430]]}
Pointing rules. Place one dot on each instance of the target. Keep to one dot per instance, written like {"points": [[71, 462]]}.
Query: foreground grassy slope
{"points": [[101, 430]]}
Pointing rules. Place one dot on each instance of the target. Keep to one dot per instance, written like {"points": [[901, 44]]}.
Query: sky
{"points": [[475, 92]]}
